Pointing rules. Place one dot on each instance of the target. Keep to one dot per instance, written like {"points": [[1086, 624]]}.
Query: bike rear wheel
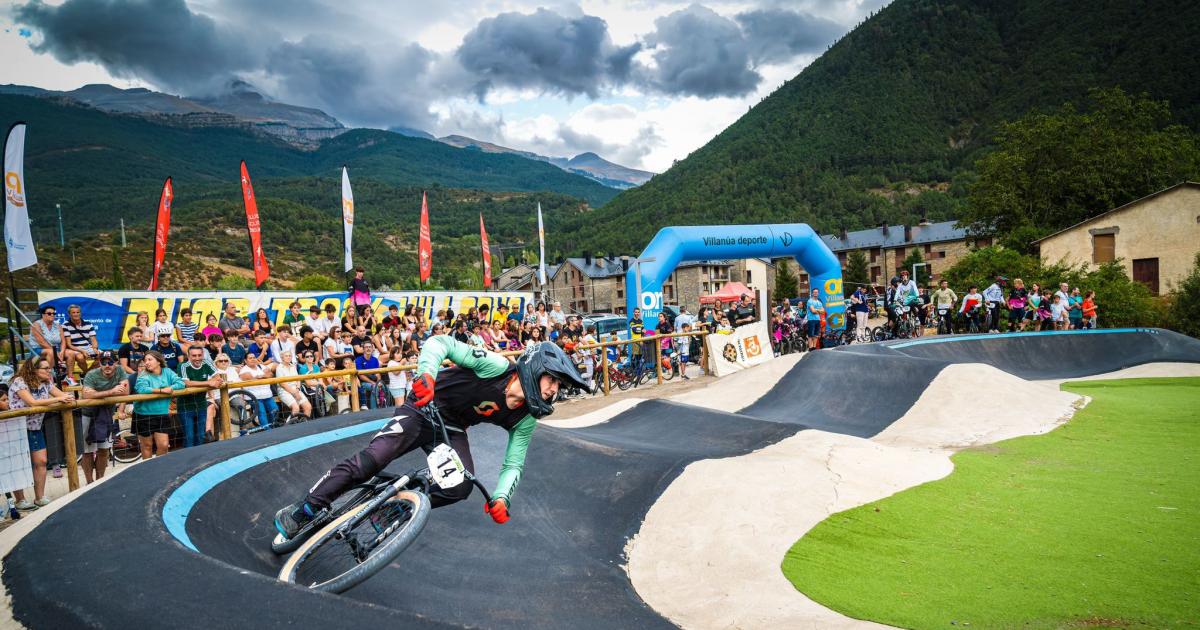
{"points": [[334, 561], [125, 447]]}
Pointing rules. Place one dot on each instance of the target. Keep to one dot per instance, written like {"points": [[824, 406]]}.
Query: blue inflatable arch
{"points": [[673, 245]]}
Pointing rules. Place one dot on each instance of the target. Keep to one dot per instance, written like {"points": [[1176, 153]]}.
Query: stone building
{"points": [[885, 248], [597, 285], [1156, 238], [755, 273]]}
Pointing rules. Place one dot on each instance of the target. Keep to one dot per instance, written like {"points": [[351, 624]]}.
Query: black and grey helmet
{"points": [[545, 358]]}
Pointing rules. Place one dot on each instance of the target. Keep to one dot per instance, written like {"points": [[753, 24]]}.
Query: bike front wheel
{"points": [[357, 544]]}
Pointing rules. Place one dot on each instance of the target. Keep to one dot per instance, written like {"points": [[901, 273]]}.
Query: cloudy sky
{"points": [[640, 82]]}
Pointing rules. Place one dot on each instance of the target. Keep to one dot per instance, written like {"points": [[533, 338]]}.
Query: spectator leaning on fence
{"points": [[34, 386], [193, 408], [151, 422], [264, 398], [105, 380]]}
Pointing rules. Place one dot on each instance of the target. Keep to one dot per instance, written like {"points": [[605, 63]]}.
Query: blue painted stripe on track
{"points": [[179, 505], [1011, 335]]}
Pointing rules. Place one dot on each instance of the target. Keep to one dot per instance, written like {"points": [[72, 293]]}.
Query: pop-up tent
{"points": [[731, 292]]}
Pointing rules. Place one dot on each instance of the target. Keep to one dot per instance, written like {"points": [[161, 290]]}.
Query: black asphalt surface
{"points": [[106, 559]]}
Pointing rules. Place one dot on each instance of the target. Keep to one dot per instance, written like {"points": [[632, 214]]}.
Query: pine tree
{"points": [[915, 258], [856, 272], [786, 286], [118, 279]]}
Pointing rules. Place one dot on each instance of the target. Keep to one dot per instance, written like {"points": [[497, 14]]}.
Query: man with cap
{"points": [[104, 380], [170, 351]]}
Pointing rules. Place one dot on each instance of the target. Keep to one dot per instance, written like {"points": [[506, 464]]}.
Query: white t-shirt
{"points": [[399, 379], [159, 328], [261, 392], [1058, 312], [279, 346]]}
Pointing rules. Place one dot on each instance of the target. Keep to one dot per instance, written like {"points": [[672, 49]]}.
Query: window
{"points": [[875, 274], [941, 254], [875, 252], [803, 278], [983, 242], [1145, 270], [1104, 248], [928, 249], [899, 255], [748, 280]]}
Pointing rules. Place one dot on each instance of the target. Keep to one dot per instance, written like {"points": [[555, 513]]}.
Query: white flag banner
{"points": [[746, 346], [17, 237], [347, 217], [541, 248]]}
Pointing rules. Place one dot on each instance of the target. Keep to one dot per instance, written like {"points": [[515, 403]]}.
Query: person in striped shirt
{"points": [[79, 345], [185, 330]]}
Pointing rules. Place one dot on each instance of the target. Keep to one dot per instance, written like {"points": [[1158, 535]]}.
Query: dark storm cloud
{"points": [[700, 53], [160, 41], [778, 35], [544, 50]]}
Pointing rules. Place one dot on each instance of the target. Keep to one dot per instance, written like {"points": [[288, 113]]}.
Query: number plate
{"points": [[446, 467]]}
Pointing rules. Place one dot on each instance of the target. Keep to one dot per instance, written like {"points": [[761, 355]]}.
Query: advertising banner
{"points": [[347, 218], [424, 244], [17, 237], [487, 254], [254, 227], [746, 346], [115, 312], [162, 229]]}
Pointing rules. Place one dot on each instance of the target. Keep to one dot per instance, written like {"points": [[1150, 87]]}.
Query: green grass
{"points": [[1096, 524]]}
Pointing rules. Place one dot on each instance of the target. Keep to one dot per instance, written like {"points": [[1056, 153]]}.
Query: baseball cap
{"points": [[107, 355]]}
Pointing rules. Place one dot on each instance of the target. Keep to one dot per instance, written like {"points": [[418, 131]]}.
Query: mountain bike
{"points": [[380, 520]]}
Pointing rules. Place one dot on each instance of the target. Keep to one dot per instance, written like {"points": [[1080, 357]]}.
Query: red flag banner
{"points": [[424, 246], [487, 254], [261, 272], [161, 230]]}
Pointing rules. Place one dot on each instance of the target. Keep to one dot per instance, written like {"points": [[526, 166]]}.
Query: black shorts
{"points": [[145, 426]]}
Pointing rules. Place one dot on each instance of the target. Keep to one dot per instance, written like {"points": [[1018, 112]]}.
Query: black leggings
{"points": [[406, 431]]}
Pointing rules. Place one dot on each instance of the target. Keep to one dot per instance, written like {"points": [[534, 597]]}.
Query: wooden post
{"points": [[225, 430], [68, 424], [352, 382], [658, 359], [704, 355], [604, 367]]}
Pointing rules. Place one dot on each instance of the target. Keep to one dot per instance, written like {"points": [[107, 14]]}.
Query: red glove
{"points": [[422, 389], [498, 510]]}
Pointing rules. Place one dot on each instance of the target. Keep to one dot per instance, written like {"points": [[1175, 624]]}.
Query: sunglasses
{"points": [[222, 360], [108, 362], [50, 313]]}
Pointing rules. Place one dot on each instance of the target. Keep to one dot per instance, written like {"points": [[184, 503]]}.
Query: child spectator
{"points": [[210, 326], [186, 329], [1089, 310], [233, 347], [161, 326], [1058, 313], [397, 383]]}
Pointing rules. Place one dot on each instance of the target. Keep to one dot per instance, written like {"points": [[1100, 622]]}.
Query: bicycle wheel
{"points": [[243, 410], [622, 379], [334, 560], [125, 447], [356, 496]]}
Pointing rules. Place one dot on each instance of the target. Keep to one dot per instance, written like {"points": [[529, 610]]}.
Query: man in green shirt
{"points": [[193, 408], [482, 387], [943, 300], [108, 379]]}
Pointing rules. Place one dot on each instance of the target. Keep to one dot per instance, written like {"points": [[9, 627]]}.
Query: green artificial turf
{"points": [[1095, 524]]}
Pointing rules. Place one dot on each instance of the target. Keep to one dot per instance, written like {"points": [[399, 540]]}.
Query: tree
{"points": [[856, 272], [118, 279], [1185, 303], [317, 282], [922, 274], [233, 282], [1052, 170], [786, 285]]}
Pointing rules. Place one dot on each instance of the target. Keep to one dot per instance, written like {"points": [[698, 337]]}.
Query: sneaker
{"points": [[57, 472], [24, 505], [42, 502], [291, 519]]}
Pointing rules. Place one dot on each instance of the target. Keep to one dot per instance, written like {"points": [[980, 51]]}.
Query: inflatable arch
{"points": [[673, 245]]}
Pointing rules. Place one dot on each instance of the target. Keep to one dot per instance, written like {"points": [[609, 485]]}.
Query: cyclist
{"points": [[481, 387], [943, 300], [969, 309], [993, 297]]}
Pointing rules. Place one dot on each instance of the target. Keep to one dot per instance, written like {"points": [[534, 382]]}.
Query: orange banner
{"points": [[161, 230], [424, 246], [261, 272], [487, 254]]}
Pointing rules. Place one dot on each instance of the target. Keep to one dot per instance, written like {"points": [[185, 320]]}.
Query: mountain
{"points": [[412, 133], [900, 108], [239, 106], [101, 166], [587, 164]]}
